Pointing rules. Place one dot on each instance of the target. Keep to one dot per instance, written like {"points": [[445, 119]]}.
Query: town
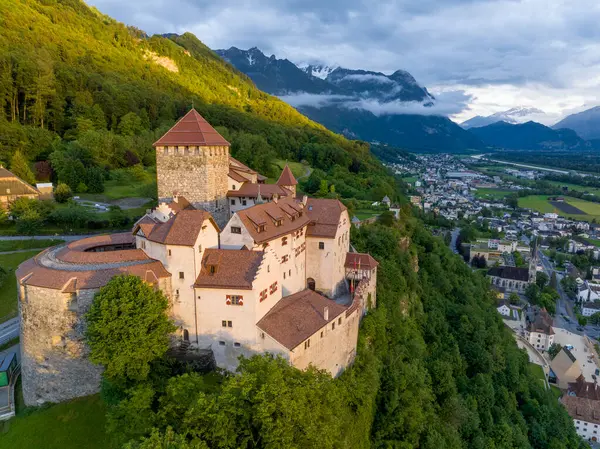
{"points": [[544, 267]]}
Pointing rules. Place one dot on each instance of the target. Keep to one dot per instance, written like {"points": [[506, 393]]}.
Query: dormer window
{"points": [[278, 222], [212, 269], [261, 228]]}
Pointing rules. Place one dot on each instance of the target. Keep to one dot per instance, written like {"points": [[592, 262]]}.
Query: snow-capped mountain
{"points": [[361, 104], [520, 114], [317, 70]]}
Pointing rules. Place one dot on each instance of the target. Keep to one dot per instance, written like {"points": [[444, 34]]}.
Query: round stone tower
{"points": [[192, 160]]}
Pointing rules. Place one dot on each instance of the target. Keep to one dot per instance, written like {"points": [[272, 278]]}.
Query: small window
{"points": [[236, 230], [177, 292], [233, 202], [181, 275], [244, 202], [143, 244], [290, 273], [321, 334], [284, 241], [262, 335], [333, 326], [340, 320], [307, 344], [212, 269], [221, 343], [235, 300], [284, 275], [321, 245], [233, 187], [199, 248], [237, 345], [223, 323], [166, 150], [229, 324]]}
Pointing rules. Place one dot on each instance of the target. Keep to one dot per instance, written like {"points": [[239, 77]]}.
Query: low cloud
{"points": [[369, 77], [315, 100], [445, 104]]}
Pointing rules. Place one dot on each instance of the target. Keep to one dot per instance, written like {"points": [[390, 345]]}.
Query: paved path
{"points": [[306, 174], [9, 330], [66, 238]]}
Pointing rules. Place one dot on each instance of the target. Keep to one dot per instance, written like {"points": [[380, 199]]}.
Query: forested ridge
{"points": [[77, 86], [435, 366]]}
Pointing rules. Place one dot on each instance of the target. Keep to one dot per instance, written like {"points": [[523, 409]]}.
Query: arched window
{"points": [[186, 335]]}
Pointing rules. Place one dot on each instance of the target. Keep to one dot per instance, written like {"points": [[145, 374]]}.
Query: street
{"points": [[565, 317]]}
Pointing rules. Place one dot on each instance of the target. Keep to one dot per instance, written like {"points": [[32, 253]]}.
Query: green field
{"points": [[540, 203], [493, 193], [8, 292], [70, 425], [577, 188], [363, 214], [15, 245]]}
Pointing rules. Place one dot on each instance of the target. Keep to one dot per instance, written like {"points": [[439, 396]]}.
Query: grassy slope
{"points": [[75, 424], [8, 292], [15, 245]]}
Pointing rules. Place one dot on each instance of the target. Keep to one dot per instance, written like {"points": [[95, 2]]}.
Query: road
{"points": [[564, 306], [9, 330], [454, 235]]}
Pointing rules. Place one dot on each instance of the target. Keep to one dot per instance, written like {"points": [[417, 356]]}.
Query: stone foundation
{"points": [[54, 363]]}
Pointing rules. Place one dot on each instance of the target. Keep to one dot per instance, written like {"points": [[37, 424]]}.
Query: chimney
{"points": [[304, 200], [275, 198], [326, 314]]}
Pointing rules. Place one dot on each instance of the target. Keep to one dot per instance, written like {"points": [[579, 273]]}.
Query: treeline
{"points": [[82, 94], [436, 368], [586, 161]]}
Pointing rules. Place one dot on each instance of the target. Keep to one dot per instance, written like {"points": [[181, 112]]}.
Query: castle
{"points": [[248, 268]]}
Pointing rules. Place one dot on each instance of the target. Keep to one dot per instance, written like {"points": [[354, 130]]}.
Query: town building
{"points": [[539, 331], [586, 416], [583, 389], [564, 369], [276, 276], [13, 187]]}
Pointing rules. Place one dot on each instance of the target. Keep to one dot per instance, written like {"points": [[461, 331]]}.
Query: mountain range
{"points": [[360, 104], [530, 136], [586, 124], [514, 116]]}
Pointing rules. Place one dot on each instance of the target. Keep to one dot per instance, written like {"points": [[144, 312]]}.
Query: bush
{"points": [[29, 223], [62, 193]]}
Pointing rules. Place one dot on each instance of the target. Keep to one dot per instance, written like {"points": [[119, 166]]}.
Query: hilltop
{"points": [[70, 75]]}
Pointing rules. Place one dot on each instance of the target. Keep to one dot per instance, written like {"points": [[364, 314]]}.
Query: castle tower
{"points": [[287, 180], [192, 160]]}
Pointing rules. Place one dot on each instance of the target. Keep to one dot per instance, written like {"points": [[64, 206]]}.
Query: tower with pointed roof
{"points": [[287, 180], [192, 160]]}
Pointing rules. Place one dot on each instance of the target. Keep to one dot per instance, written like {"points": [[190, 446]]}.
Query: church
{"points": [[248, 268]]}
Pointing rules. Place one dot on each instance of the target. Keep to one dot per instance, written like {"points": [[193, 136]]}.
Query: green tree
{"points": [[128, 328], [514, 298], [62, 193], [541, 279], [582, 320], [19, 166], [554, 349]]}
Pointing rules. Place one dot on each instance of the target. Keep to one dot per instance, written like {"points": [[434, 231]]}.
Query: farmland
{"points": [[493, 193], [589, 210]]}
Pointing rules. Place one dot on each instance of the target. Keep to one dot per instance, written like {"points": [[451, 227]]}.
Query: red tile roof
{"points": [[583, 409], [72, 267], [181, 229], [233, 268], [325, 215], [296, 317], [360, 260], [251, 190], [266, 214], [192, 129], [287, 177]]}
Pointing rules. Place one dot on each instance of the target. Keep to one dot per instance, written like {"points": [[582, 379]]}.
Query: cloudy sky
{"points": [[487, 55]]}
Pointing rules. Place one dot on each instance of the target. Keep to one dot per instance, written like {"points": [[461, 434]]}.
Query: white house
{"points": [[586, 416]]}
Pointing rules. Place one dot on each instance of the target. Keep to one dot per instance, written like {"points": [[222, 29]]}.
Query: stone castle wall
{"points": [[197, 173], [54, 363]]}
